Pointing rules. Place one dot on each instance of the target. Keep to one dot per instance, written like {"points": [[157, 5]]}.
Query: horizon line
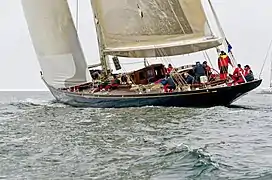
{"points": [[2, 90]]}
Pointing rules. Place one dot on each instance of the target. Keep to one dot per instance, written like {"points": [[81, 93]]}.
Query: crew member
{"points": [[115, 82], [169, 69], [223, 63], [237, 73], [168, 84], [188, 78], [199, 71], [208, 70], [248, 73]]}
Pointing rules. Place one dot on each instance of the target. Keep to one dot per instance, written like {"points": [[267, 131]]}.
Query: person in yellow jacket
{"points": [[223, 64]]}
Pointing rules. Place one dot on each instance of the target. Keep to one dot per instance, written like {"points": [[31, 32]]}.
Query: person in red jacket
{"points": [[223, 64], [248, 73], [169, 69], [237, 73], [208, 70], [115, 82]]}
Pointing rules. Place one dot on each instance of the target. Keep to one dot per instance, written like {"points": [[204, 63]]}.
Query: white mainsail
{"points": [[56, 42], [153, 28]]}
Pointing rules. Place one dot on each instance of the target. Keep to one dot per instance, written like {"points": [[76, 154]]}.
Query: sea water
{"points": [[41, 139]]}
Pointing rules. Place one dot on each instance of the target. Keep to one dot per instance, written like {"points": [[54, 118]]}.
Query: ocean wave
{"points": [[29, 104], [187, 162]]}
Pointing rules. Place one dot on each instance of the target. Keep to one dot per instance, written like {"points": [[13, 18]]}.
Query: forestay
{"points": [[56, 42], [152, 28]]}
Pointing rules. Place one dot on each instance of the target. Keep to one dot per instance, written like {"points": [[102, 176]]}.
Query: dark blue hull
{"points": [[221, 96]]}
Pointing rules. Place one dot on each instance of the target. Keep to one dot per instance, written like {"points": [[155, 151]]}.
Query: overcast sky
{"points": [[247, 24]]}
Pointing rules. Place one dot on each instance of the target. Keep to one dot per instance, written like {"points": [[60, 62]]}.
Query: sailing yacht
{"points": [[127, 29], [269, 89]]}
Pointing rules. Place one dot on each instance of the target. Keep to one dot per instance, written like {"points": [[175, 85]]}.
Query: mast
{"points": [[101, 46]]}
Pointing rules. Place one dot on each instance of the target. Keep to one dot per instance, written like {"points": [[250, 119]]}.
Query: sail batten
{"points": [[56, 42], [138, 23]]}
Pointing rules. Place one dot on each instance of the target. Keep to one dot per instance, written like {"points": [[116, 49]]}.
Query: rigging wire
{"points": [[226, 43], [163, 54], [160, 51], [206, 55], [77, 14], [266, 57], [270, 84]]}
